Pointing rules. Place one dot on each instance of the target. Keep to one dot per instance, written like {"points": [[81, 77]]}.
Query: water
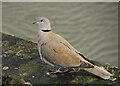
{"points": [[91, 28]]}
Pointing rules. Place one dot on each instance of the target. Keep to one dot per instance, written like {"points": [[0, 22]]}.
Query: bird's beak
{"points": [[35, 22]]}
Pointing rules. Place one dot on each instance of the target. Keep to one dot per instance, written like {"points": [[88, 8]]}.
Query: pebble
{"points": [[47, 73], [33, 76]]}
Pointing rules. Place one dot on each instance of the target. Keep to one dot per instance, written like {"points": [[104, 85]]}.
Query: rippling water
{"points": [[92, 28]]}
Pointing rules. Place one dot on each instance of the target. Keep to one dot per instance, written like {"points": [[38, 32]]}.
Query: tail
{"points": [[99, 71]]}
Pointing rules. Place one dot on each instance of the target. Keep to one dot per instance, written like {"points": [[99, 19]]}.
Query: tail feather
{"points": [[99, 71]]}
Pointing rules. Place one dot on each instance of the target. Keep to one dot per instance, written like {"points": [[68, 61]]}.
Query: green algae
{"points": [[10, 80], [9, 51], [54, 76], [20, 50], [5, 43], [20, 53], [29, 68], [5, 68], [84, 79]]}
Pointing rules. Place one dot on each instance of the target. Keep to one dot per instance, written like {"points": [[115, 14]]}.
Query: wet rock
{"points": [[22, 66]]}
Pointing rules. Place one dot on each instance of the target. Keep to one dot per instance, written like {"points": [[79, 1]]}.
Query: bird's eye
{"points": [[41, 20]]}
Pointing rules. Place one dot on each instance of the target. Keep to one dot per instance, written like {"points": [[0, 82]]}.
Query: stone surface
{"points": [[21, 65]]}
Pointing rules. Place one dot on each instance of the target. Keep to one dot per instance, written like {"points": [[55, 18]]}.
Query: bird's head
{"points": [[43, 24]]}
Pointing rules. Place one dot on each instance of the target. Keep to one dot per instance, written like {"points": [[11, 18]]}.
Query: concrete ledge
{"points": [[22, 66]]}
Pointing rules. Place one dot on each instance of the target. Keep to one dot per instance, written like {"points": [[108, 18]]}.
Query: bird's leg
{"points": [[60, 70], [56, 71], [65, 69]]}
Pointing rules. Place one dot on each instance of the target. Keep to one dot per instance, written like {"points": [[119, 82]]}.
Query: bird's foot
{"points": [[56, 71], [60, 70], [65, 69]]}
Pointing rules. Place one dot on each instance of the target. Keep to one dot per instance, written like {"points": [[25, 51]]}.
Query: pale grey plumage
{"points": [[55, 50]]}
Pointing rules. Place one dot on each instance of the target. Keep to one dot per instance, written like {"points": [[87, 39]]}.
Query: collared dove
{"points": [[56, 51]]}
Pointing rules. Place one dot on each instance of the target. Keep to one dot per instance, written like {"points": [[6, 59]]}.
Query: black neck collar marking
{"points": [[46, 30]]}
